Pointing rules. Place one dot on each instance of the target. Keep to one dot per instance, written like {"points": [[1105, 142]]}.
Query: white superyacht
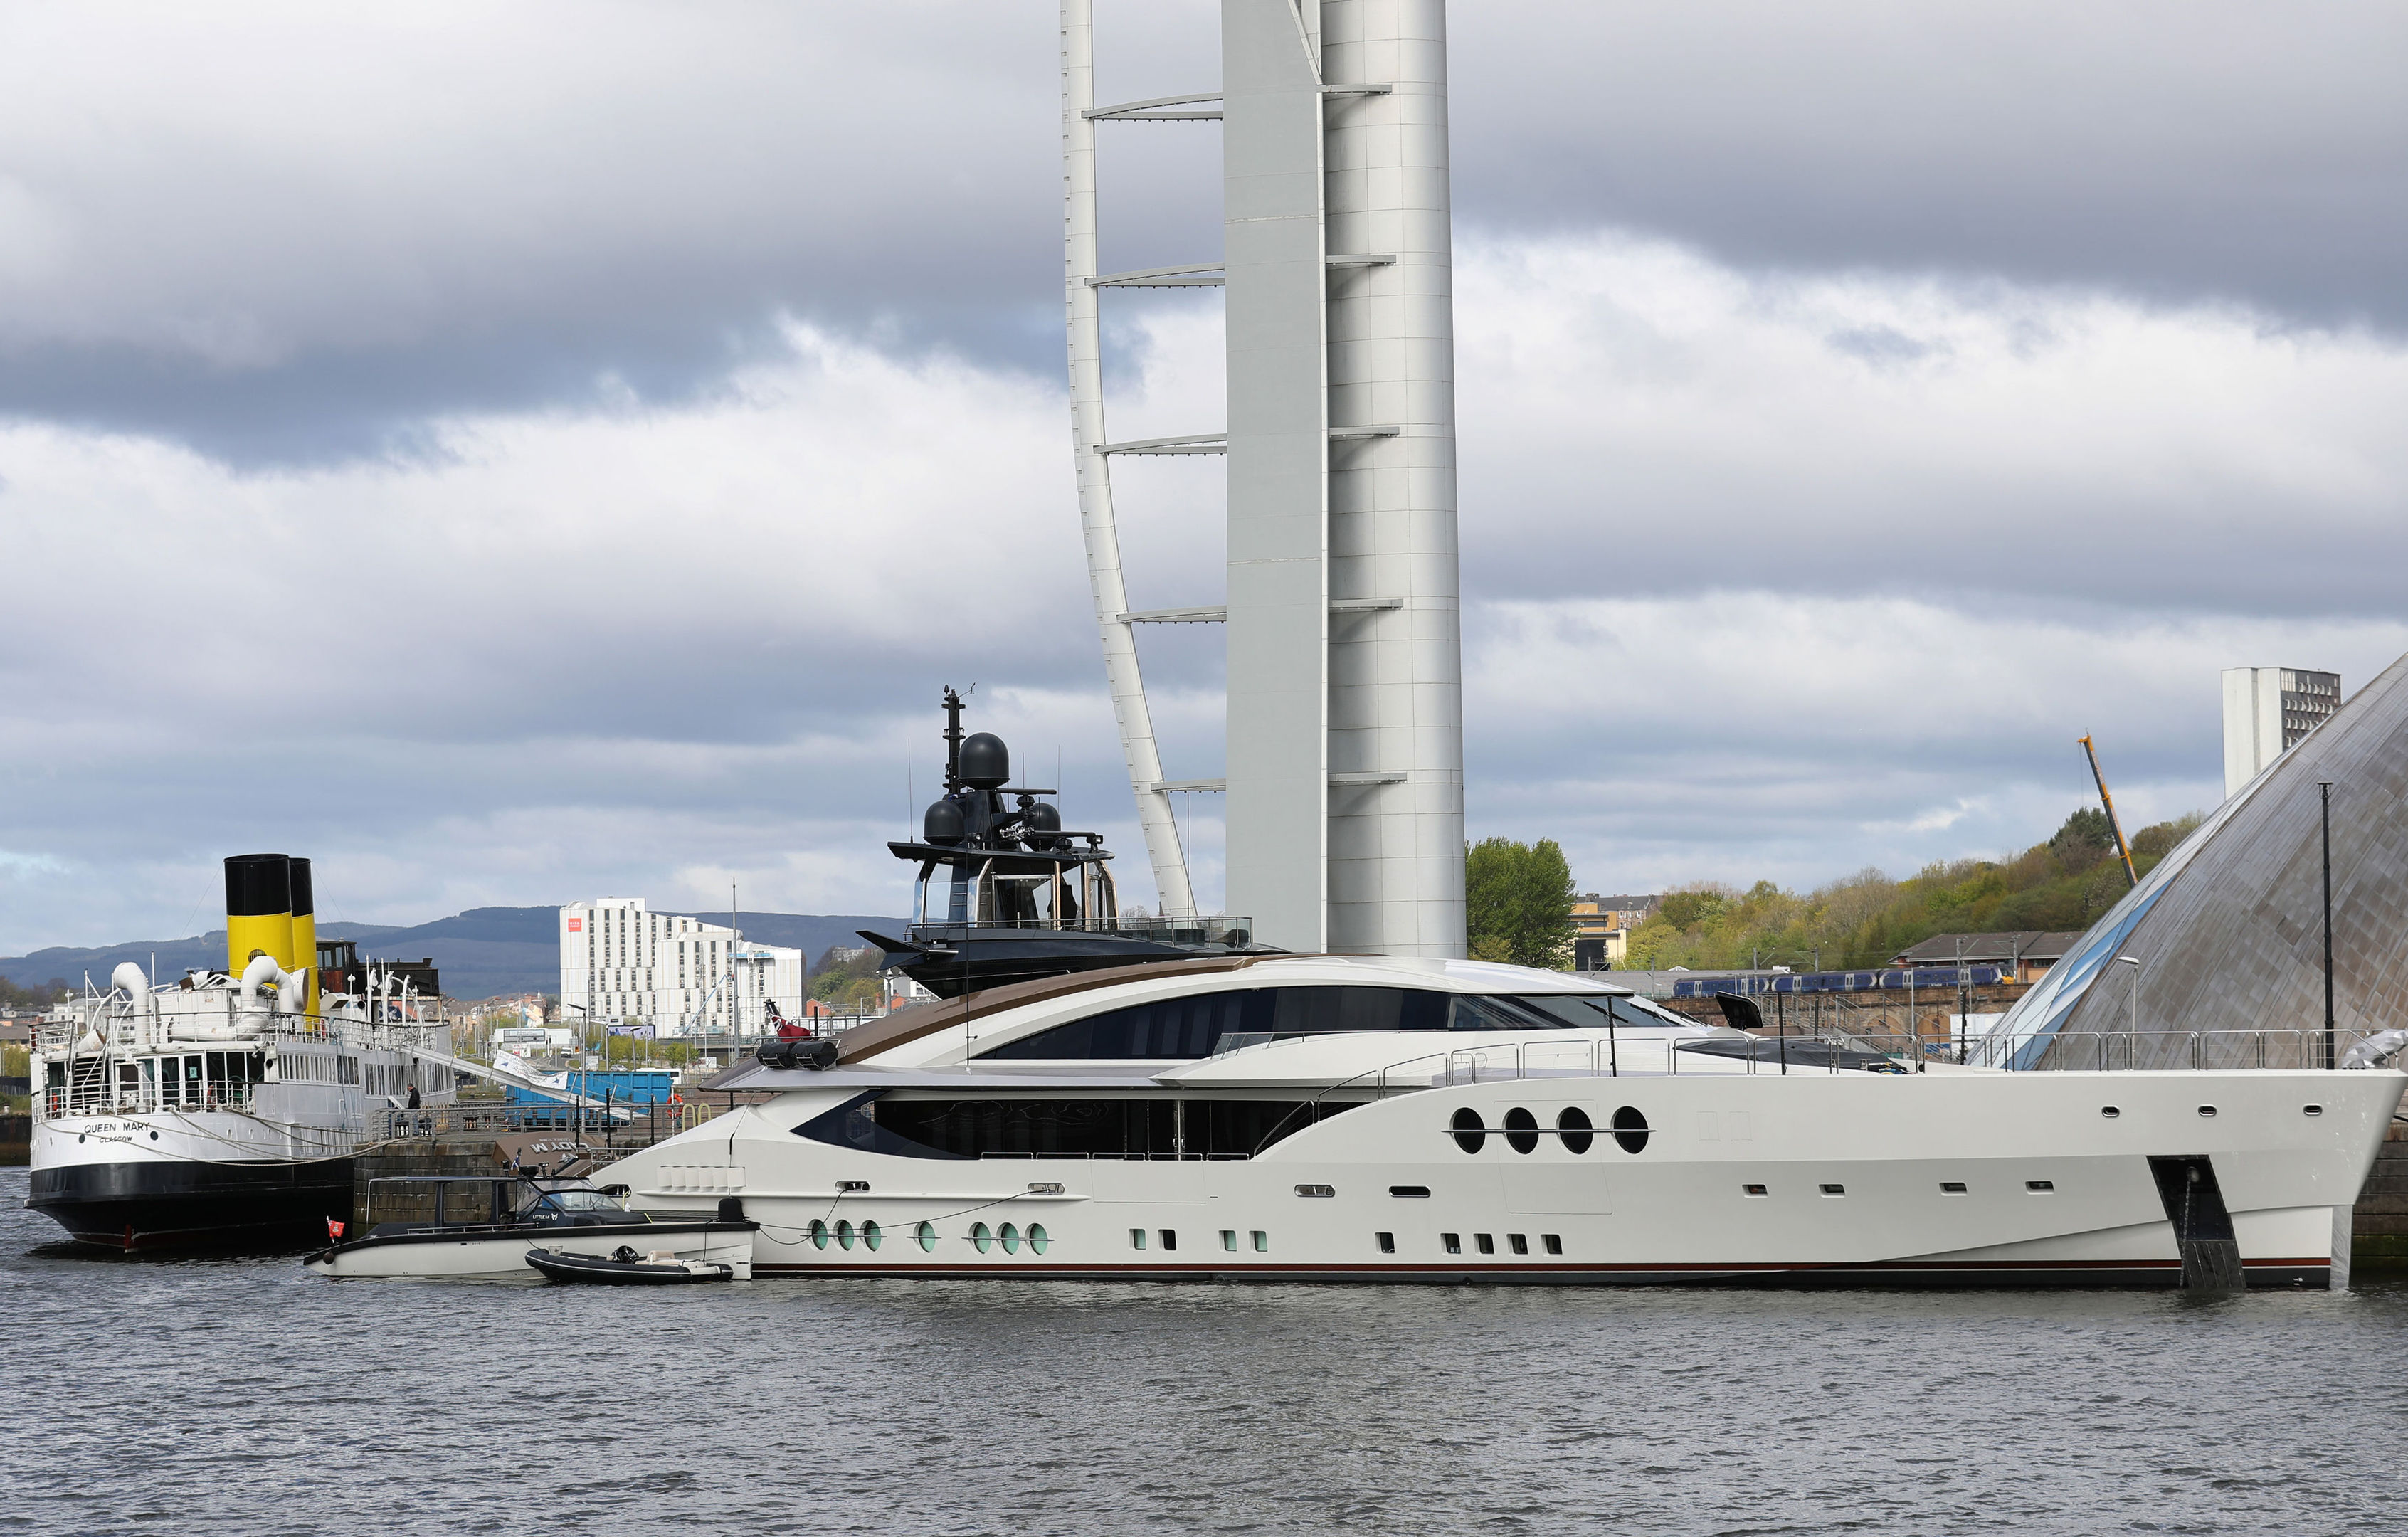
{"points": [[1322, 1118]]}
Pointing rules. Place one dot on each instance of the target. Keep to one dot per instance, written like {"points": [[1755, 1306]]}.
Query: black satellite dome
{"points": [[945, 823], [987, 763]]}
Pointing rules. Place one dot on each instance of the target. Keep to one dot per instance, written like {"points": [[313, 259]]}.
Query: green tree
{"points": [[846, 979], [2084, 837], [1518, 898]]}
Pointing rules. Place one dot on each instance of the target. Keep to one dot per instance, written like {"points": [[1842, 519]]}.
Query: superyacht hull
{"points": [[1942, 1178]]}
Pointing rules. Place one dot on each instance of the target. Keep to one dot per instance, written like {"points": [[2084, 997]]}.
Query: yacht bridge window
{"points": [[1202, 1024]]}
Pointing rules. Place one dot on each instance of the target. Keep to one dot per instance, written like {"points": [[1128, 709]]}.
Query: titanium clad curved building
{"points": [[2226, 936]]}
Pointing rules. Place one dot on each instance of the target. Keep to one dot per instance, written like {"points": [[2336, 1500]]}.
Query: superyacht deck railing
{"points": [[1599, 1057]]}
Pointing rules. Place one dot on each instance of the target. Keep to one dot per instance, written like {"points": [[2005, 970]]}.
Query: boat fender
{"points": [[816, 1055], [731, 1208]]}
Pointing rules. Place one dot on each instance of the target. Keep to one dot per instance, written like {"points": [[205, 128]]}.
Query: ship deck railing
{"points": [[124, 1030], [112, 1100]]}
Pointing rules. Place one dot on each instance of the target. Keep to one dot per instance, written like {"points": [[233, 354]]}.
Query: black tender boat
{"points": [[624, 1267]]}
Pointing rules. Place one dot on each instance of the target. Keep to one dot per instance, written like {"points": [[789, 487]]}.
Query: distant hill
{"points": [[481, 952]]}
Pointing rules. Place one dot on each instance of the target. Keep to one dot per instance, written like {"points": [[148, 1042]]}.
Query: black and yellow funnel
{"points": [[259, 909], [304, 963]]}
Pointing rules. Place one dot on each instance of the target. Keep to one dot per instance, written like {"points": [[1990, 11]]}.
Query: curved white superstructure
{"points": [[1346, 1118]]}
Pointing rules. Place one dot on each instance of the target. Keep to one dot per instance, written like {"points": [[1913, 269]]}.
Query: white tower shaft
{"points": [[1345, 768], [1345, 715]]}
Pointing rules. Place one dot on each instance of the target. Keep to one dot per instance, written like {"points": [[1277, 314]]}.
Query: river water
{"points": [[243, 1395]]}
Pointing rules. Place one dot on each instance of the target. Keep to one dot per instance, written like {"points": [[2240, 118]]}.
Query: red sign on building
{"points": [[577, 925]]}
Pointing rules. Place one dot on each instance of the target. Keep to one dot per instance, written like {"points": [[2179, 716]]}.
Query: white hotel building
{"points": [[681, 976]]}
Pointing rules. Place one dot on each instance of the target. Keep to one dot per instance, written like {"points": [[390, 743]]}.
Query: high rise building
{"points": [[1344, 777], [2267, 712], [678, 975]]}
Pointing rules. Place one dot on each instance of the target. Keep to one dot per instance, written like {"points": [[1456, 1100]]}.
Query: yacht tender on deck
{"points": [[1330, 1118]]}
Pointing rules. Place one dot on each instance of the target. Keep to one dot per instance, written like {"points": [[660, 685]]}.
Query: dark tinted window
{"points": [[1587, 1012], [1196, 1025], [1630, 1130], [1152, 1127], [1181, 1029], [1467, 1133], [1575, 1131], [1171, 1028], [1520, 1130]]}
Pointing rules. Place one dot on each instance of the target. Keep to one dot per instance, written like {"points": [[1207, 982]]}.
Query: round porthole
{"points": [[926, 1236], [819, 1233], [2110, 1112], [1037, 1239], [1011, 1238], [1572, 1129], [2207, 1112], [1630, 1130], [871, 1237], [1520, 1130], [80, 1137], [981, 1239], [1470, 1131], [844, 1235], [2304, 1110]]}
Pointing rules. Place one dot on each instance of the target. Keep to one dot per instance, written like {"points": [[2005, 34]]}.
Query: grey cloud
{"points": [[2173, 151], [493, 212]]}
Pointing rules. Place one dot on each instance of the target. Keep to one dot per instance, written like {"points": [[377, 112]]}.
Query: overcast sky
{"points": [[517, 453]]}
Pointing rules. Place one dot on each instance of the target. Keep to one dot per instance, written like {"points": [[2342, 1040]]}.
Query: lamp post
{"points": [[2134, 1028], [2324, 810]]}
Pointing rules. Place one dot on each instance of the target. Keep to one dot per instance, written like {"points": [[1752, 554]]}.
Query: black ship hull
{"points": [[147, 1206]]}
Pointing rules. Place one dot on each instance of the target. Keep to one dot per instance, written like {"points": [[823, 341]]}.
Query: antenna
{"points": [[954, 739]]}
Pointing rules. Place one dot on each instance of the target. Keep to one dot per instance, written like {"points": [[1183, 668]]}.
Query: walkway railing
{"points": [[2162, 1051]]}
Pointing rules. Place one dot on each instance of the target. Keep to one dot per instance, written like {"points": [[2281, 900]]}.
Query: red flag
{"points": [[333, 1228]]}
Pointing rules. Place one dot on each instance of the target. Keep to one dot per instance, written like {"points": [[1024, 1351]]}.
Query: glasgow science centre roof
{"points": [[2228, 931]]}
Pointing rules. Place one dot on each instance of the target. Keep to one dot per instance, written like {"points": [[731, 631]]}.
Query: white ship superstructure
{"points": [[211, 1108], [1353, 1118]]}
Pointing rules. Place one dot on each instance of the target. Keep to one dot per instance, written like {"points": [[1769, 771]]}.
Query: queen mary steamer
{"points": [[1280, 1118], [229, 1106]]}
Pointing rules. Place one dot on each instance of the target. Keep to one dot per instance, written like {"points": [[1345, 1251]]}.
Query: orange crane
{"points": [[2123, 849]]}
